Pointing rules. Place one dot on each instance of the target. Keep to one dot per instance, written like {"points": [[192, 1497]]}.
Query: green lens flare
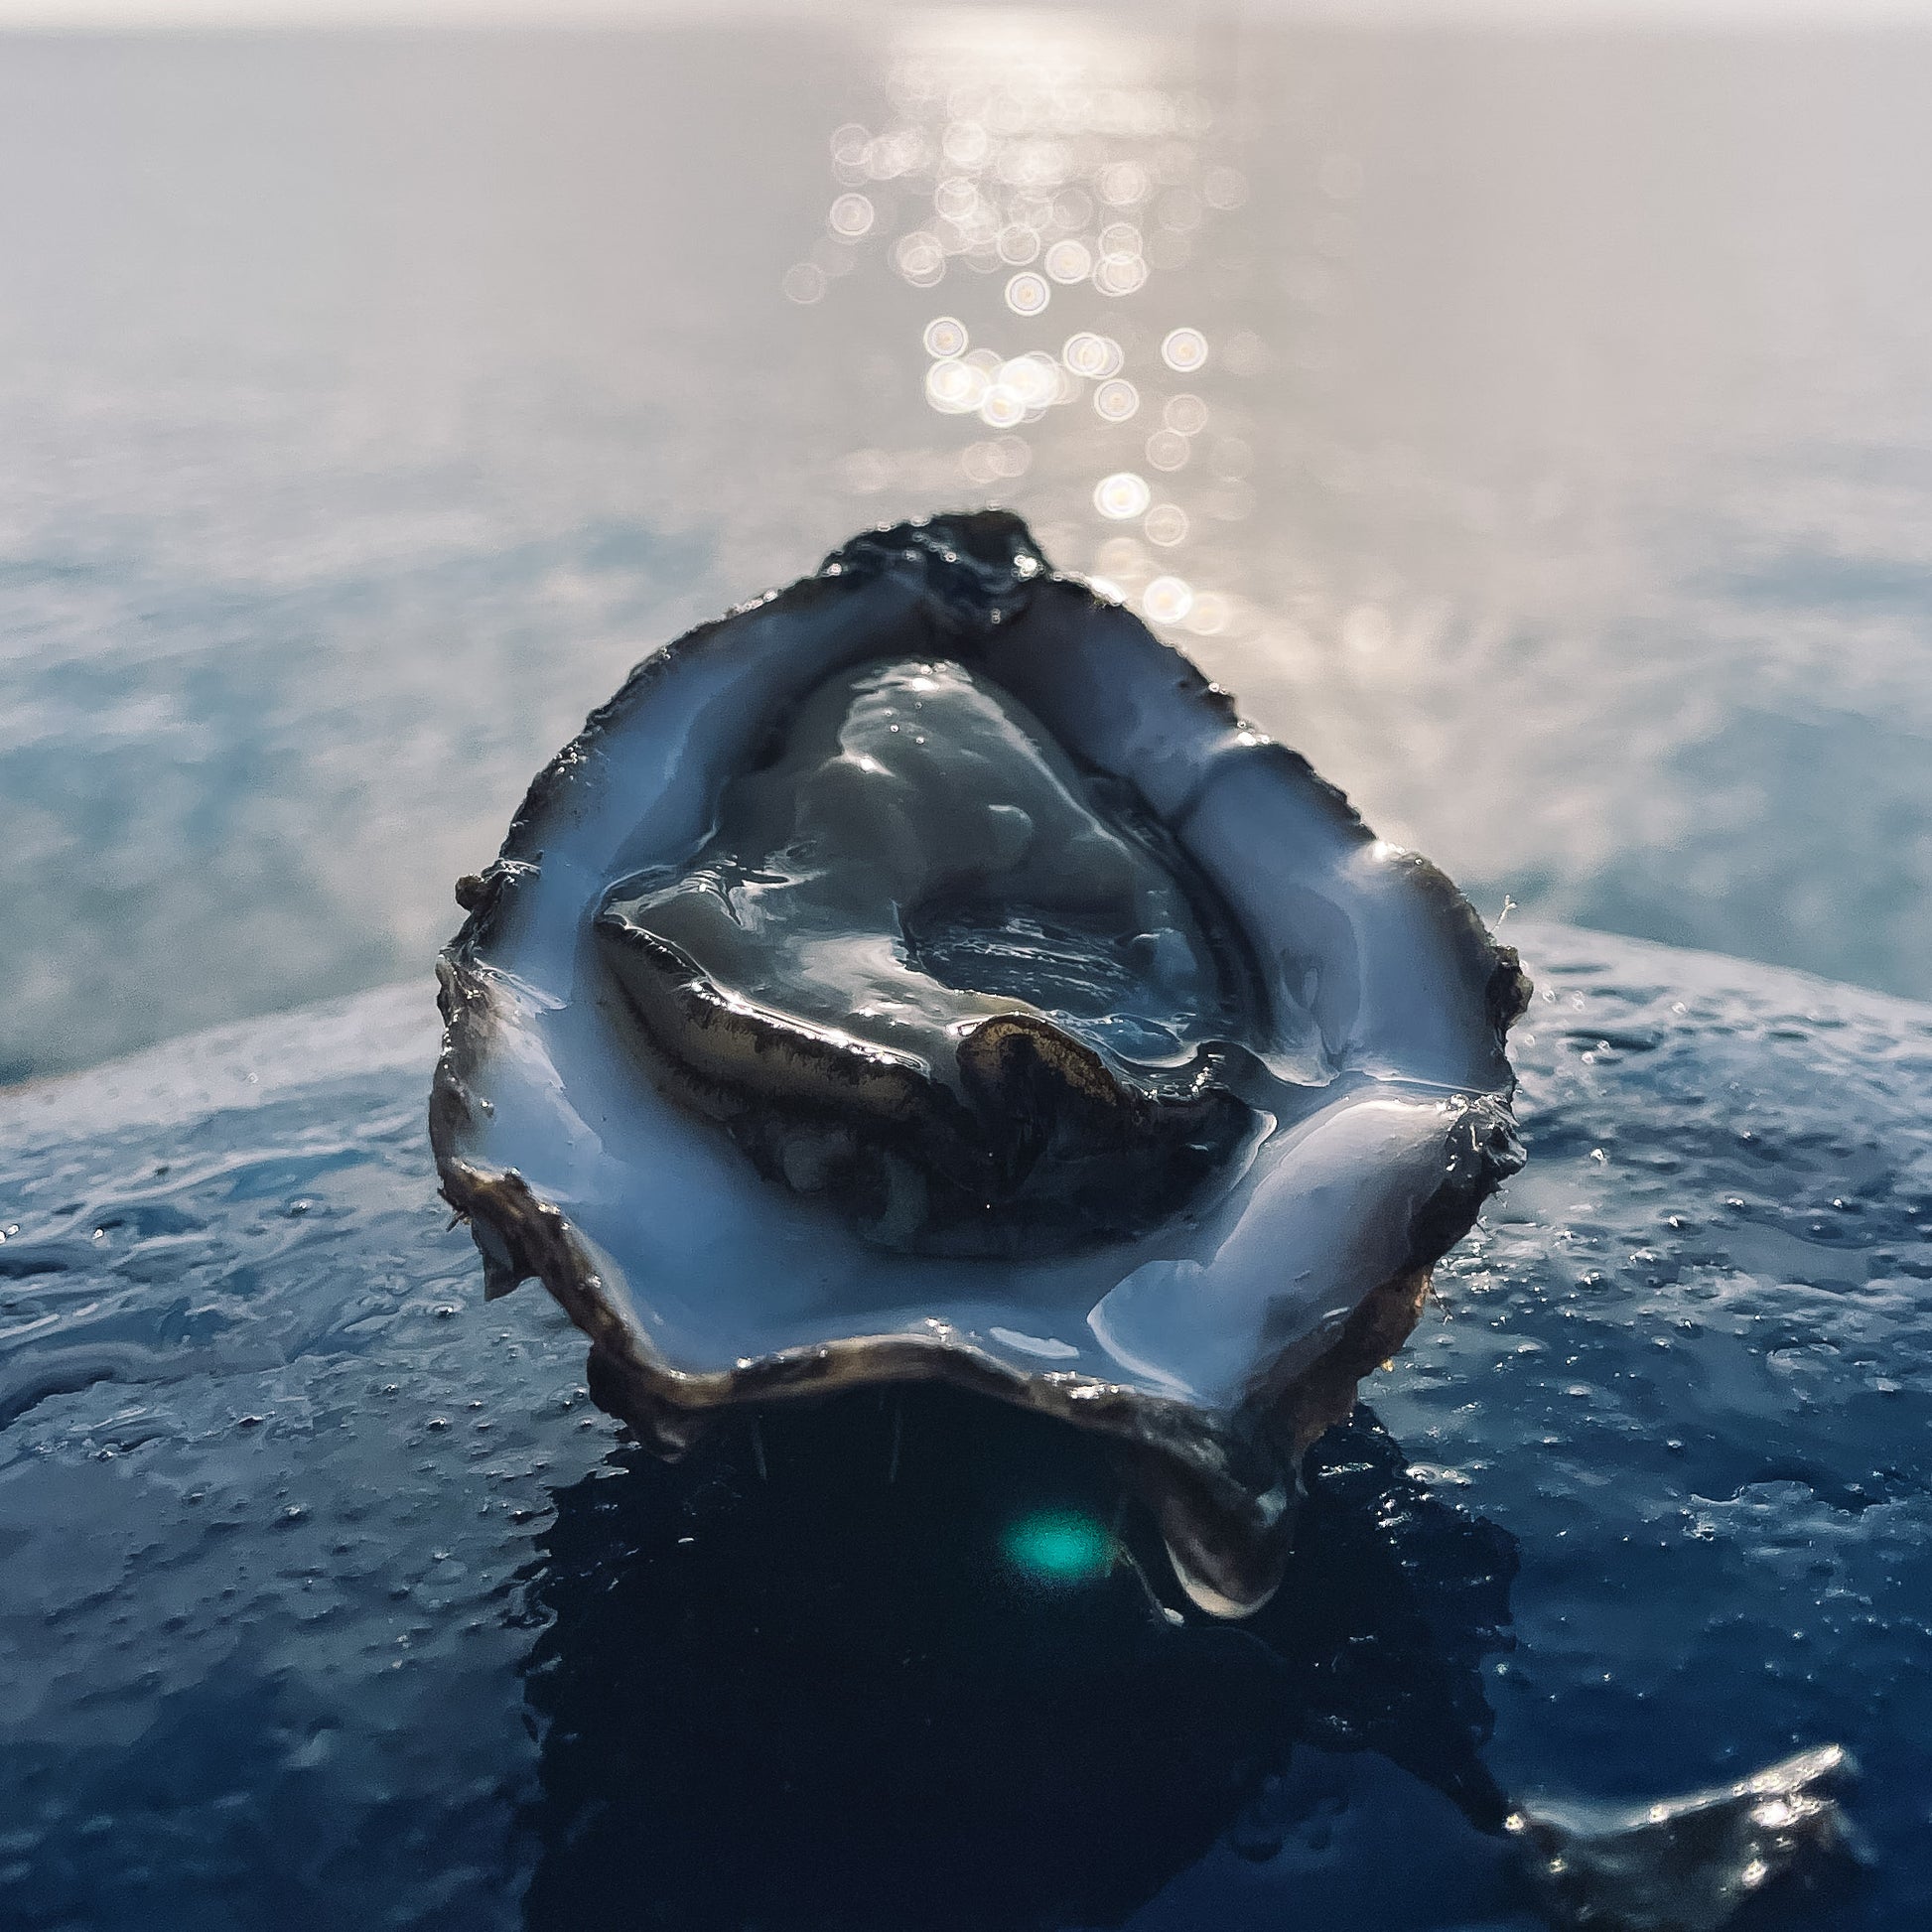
{"points": [[1059, 1547]]}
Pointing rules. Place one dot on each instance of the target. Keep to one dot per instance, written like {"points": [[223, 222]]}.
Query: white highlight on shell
{"points": [[1349, 1183], [1044, 1346]]}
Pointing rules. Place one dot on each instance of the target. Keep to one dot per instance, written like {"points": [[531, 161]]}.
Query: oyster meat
{"points": [[917, 969], [924, 971]]}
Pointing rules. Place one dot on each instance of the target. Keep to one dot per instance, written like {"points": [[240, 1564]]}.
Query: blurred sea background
{"points": [[1528, 415]]}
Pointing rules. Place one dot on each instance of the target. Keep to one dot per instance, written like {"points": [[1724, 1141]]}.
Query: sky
{"points": [[93, 15]]}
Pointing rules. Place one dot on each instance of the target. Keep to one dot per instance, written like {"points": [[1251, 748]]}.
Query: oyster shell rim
{"points": [[1221, 1482]]}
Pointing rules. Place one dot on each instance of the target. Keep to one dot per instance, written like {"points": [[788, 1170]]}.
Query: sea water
{"points": [[1535, 429]]}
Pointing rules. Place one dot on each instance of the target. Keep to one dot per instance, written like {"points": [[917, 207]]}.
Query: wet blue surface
{"points": [[328, 1599]]}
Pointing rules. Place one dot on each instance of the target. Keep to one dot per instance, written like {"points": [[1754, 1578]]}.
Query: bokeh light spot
{"points": [[1034, 378], [1027, 293], [1092, 355], [1168, 599], [1224, 188], [1069, 261], [1018, 244], [1120, 275], [1186, 415], [955, 388], [1209, 615], [851, 216], [1166, 524], [1184, 350], [1002, 407], [1074, 207], [1168, 449], [945, 335], [966, 144], [956, 197], [1122, 495], [919, 258], [804, 282]]}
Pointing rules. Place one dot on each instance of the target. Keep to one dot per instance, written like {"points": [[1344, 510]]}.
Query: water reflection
{"points": [[1489, 483], [900, 1662], [1008, 143], [1557, 477]]}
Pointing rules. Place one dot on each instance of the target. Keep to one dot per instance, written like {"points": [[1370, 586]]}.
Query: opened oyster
{"points": [[922, 972]]}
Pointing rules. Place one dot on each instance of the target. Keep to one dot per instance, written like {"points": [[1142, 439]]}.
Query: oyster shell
{"points": [[923, 973]]}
